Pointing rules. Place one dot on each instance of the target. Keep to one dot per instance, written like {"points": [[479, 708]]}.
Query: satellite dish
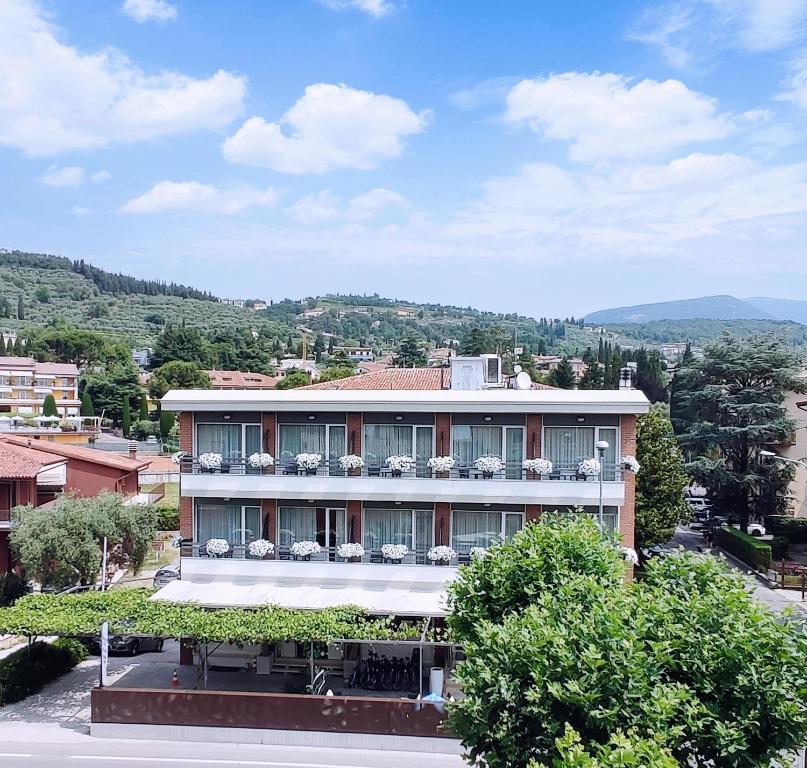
{"points": [[523, 380], [517, 369]]}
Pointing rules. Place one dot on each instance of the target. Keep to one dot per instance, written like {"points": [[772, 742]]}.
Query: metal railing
{"points": [[512, 470], [326, 554]]}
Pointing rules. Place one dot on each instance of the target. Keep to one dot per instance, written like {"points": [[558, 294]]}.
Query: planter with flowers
{"points": [[489, 466], [537, 467], [441, 465], [395, 553], [351, 464], [589, 468], [477, 552], [441, 555], [309, 462], [263, 461], [630, 464], [352, 553], [210, 462], [400, 464], [217, 547], [260, 549], [179, 457], [302, 550], [629, 555]]}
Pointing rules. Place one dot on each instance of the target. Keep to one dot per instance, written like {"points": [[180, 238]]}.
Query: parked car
{"points": [[128, 644], [756, 529], [166, 575]]}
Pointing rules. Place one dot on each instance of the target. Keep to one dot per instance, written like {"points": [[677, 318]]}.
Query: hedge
{"points": [[750, 550], [167, 518], [779, 547], [30, 669], [794, 529]]}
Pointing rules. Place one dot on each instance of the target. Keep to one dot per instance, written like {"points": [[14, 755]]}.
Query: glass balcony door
{"points": [[237, 524], [328, 440], [472, 441], [566, 447], [481, 529], [325, 525], [414, 528], [384, 440], [232, 441]]}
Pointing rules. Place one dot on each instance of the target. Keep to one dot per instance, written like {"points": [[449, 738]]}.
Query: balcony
{"points": [[514, 485]]}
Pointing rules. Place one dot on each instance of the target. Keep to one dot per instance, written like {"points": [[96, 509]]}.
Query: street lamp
{"points": [[602, 447], [772, 455]]}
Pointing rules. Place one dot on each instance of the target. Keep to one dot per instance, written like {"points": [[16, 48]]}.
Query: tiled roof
{"points": [[22, 363], [67, 451], [21, 463], [17, 362], [240, 380], [397, 378]]}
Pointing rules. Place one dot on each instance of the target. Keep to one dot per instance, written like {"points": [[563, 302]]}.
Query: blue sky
{"points": [[540, 157]]}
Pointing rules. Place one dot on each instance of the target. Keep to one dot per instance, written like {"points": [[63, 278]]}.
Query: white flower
{"points": [[630, 463], [589, 467], [259, 460], [441, 553], [489, 464], [478, 552], [261, 548], [351, 461], [210, 461], [217, 546], [305, 548], [350, 550], [630, 555], [394, 551], [441, 463], [308, 460], [178, 456], [539, 466], [400, 463]]}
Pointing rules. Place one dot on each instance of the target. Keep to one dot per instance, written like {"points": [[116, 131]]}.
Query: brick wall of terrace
{"points": [[185, 502]]}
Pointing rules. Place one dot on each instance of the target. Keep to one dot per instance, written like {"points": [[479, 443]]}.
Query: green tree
{"points": [[180, 343], [63, 343], [594, 375], [563, 376], [20, 308], [660, 503], [126, 417], [651, 377], [61, 544], [474, 343], [729, 407], [177, 375], [319, 347], [292, 380], [144, 408], [411, 353], [167, 421], [5, 307], [87, 408], [337, 372], [541, 346], [558, 654], [42, 294], [49, 406]]}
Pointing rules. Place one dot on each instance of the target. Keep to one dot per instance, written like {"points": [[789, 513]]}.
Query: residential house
{"points": [[141, 357], [240, 380], [232, 302], [25, 383], [551, 362], [796, 450], [314, 312], [288, 364], [357, 354]]}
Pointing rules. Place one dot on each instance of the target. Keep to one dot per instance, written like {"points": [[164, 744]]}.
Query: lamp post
{"points": [[602, 447], [772, 455]]}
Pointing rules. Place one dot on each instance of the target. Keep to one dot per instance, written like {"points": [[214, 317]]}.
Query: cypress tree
{"points": [[87, 408], [563, 376], [17, 348], [166, 424], [126, 418], [2, 345], [49, 406], [20, 308], [144, 408]]}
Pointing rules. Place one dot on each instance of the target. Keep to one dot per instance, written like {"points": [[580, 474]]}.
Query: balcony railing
{"points": [[330, 468], [325, 555]]}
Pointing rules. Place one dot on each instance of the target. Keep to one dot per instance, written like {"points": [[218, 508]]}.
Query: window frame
{"points": [[482, 509], [243, 426], [243, 514]]}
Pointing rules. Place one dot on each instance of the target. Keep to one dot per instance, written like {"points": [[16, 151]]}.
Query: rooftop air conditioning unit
{"points": [[493, 370]]}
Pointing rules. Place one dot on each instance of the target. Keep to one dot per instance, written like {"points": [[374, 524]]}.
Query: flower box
{"points": [[489, 465], [441, 555], [589, 468], [309, 462], [352, 553], [394, 552], [260, 549], [302, 550], [441, 465], [537, 467], [217, 547], [400, 464]]}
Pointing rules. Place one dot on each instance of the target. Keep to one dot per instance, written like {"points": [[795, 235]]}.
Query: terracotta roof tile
{"points": [[240, 380], [20, 463], [66, 451]]}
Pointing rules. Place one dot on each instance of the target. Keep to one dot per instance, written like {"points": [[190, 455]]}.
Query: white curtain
{"points": [[515, 451], [219, 438], [471, 442], [218, 521], [387, 526], [474, 529], [296, 524], [611, 455], [301, 438], [566, 446], [384, 440]]}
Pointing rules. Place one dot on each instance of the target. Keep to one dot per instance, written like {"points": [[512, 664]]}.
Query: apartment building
{"points": [[25, 383]]}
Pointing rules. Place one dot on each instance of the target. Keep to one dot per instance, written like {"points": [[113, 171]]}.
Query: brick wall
{"points": [[627, 515], [354, 433], [534, 424], [532, 512], [269, 431], [186, 432], [185, 502], [354, 518], [269, 512], [442, 523], [442, 435]]}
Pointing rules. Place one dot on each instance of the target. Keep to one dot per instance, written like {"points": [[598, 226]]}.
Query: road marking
{"points": [[208, 761], [15, 754]]}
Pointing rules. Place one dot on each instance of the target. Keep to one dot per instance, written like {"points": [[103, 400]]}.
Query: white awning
{"points": [[399, 590]]}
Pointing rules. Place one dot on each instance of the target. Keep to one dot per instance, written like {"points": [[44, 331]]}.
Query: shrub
{"points": [[77, 650], [751, 551], [167, 518], [30, 669], [793, 528], [12, 587], [144, 428], [779, 547]]}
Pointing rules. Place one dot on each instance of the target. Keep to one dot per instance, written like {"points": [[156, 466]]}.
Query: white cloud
{"points": [[691, 31], [375, 8], [56, 98], [69, 176], [315, 208], [73, 176], [376, 201], [330, 127], [80, 210], [796, 83], [150, 10], [194, 197], [606, 115]]}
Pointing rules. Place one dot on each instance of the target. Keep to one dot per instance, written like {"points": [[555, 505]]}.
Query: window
{"points": [[481, 529], [566, 447], [328, 440], [472, 441], [232, 522], [411, 527], [232, 441], [324, 525], [384, 440], [610, 515]]}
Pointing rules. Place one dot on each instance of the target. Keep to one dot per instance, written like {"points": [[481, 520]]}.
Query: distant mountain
{"points": [[782, 309], [705, 308]]}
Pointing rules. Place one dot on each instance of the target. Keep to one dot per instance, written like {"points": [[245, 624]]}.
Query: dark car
{"points": [[166, 575], [127, 644]]}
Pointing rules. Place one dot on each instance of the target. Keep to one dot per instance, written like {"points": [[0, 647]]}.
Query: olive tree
{"points": [[684, 666]]}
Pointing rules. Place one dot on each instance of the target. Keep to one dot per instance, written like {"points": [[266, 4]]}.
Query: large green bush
{"points": [[167, 518], [793, 528], [30, 669], [12, 587], [750, 550]]}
